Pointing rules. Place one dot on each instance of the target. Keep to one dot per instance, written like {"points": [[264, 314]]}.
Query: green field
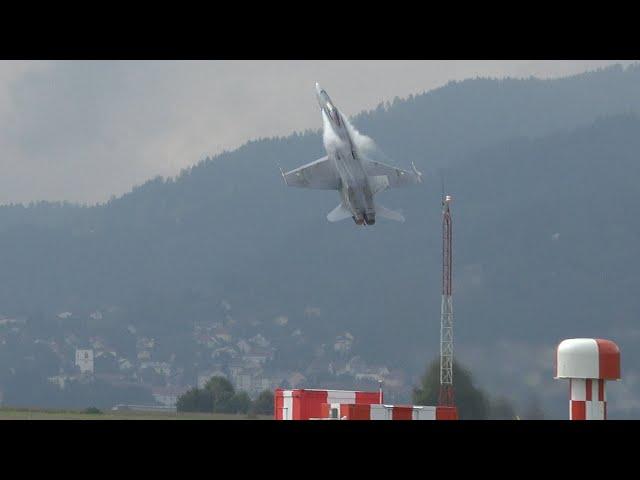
{"points": [[8, 413]]}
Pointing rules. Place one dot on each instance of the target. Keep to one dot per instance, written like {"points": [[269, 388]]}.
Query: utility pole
{"points": [[445, 398]]}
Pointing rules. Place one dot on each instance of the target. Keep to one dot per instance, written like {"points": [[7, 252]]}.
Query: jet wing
{"points": [[395, 176], [320, 174]]}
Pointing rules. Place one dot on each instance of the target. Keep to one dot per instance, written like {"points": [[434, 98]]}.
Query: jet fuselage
{"points": [[355, 189]]}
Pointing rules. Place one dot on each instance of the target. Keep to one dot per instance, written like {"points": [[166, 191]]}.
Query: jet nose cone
{"points": [[320, 96]]}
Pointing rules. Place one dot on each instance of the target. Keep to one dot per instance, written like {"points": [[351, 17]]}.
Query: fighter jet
{"points": [[346, 169]]}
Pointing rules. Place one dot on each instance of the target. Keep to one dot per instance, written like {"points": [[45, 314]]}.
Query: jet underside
{"points": [[355, 190], [356, 178]]}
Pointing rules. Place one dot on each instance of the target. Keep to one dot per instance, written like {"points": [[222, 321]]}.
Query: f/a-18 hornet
{"points": [[346, 169]]}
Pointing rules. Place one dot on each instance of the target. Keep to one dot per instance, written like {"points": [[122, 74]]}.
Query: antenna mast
{"points": [[446, 312]]}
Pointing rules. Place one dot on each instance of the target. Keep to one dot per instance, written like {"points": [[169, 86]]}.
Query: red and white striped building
{"points": [[387, 412], [304, 404], [588, 363], [307, 404]]}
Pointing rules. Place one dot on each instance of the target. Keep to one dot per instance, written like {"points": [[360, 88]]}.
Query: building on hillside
{"points": [[84, 360], [368, 376], [373, 374], [355, 365], [144, 355], [311, 312], [263, 384], [222, 334], [281, 320], [161, 368], [224, 351], [97, 343], [124, 364], [11, 321], [338, 368], [235, 367], [252, 382], [258, 356], [207, 340], [343, 343], [58, 380], [260, 341], [168, 396], [243, 346], [243, 382], [145, 343]]}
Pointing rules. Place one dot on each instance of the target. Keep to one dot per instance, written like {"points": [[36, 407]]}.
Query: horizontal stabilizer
{"points": [[390, 214], [339, 213]]}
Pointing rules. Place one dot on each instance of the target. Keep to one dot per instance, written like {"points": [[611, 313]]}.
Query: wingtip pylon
{"points": [[418, 173], [284, 177]]}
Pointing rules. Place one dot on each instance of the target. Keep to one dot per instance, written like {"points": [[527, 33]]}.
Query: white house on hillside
{"points": [[84, 360]]}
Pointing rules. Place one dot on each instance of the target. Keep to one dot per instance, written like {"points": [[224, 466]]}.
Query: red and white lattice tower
{"points": [[588, 363], [446, 311]]}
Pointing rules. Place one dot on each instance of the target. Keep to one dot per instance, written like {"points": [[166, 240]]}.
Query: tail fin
{"points": [[390, 214], [339, 213]]}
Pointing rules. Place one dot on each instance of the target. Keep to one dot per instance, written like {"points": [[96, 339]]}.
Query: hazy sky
{"points": [[83, 131]]}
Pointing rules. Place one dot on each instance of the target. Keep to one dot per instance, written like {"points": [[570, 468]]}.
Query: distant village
{"points": [[247, 361]]}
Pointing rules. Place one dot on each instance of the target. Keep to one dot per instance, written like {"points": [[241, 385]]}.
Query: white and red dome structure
{"points": [[588, 363]]}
